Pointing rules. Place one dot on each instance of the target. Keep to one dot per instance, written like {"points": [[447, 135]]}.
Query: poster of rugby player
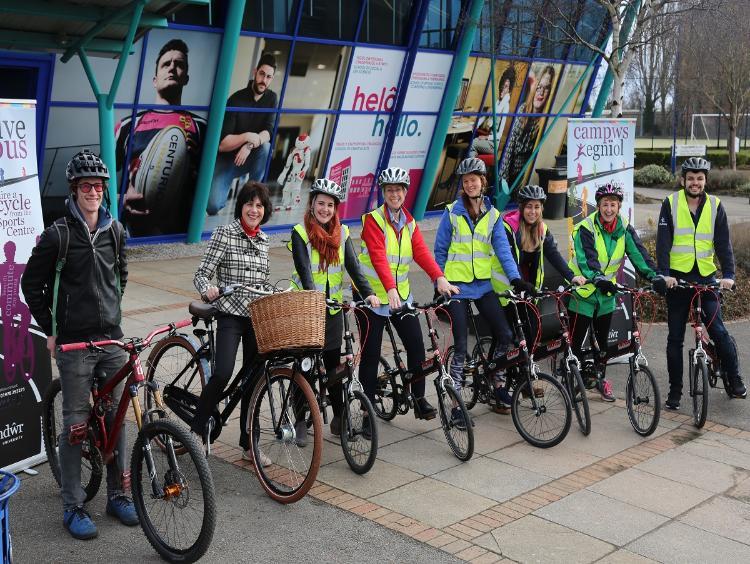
{"points": [[164, 152]]}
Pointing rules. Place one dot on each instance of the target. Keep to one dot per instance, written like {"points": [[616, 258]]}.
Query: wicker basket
{"points": [[289, 320]]}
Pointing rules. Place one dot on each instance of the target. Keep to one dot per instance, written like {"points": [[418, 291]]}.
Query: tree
{"points": [[715, 63]]}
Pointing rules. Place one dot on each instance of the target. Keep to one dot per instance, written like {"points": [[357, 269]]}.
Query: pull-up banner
{"points": [[25, 372]]}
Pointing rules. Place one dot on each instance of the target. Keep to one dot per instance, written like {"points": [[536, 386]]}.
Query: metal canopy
{"points": [[100, 27]]}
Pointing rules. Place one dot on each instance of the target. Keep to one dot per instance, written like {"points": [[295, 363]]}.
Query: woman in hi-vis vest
{"points": [[470, 234], [391, 240], [600, 243], [322, 248]]}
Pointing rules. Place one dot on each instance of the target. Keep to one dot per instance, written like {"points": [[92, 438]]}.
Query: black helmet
{"points": [[471, 165], [86, 164], [609, 189], [531, 192], [329, 188], [696, 164]]}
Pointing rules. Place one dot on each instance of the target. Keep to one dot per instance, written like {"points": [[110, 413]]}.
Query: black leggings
{"points": [[579, 324], [371, 336]]}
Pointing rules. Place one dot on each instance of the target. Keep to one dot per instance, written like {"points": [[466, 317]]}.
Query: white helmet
{"points": [[470, 165], [394, 175], [328, 187]]}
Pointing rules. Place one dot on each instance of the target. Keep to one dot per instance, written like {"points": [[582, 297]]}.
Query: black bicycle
{"points": [[392, 397]]}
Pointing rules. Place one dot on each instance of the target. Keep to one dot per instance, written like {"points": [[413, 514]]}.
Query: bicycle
{"points": [[705, 367], [391, 397], [642, 397], [184, 363], [165, 486]]}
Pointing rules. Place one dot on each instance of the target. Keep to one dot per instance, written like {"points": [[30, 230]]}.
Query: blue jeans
{"points": [[226, 171], [77, 370], [678, 311]]}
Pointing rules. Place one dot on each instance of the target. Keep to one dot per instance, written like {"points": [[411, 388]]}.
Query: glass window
{"points": [[488, 22], [316, 76], [270, 16], [553, 42], [519, 29], [212, 15], [330, 19], [440, 24], [386, 22], [592, 26]]}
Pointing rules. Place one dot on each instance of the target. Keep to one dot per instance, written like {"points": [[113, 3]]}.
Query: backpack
{"points": [[63, 241]]}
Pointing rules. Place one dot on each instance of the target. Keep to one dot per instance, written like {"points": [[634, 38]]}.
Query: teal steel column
{"points": [[229, 42], [452, 88], [606, 88]]}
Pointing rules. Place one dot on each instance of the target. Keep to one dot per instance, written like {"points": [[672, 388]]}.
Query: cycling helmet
{"points": [[471, 165], [328, 187], [394, 175], [696, 164], [531, 192], [609, 189], [86, 164]]}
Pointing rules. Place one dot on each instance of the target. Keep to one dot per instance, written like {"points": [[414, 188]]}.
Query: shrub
{"points": [[719, 157], [726, 181], [651, 175]]}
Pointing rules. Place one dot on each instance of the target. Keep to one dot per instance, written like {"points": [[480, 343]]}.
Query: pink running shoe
{"points": [[605, 389]]}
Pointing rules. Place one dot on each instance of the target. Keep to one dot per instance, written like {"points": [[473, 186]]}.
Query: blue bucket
{"points": [[9, 485]]}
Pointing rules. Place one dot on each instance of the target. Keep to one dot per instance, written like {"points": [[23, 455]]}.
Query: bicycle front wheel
{"points": [[456, 422], [699, 375], [359, 433], [579, 399], [541, 411], [642, 400], [173, 495], [278, 406], [92, 465]]}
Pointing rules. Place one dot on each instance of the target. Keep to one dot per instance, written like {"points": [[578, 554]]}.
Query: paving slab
{"points": [[623, 556], [679, 543], [433, 502], [723, 516], [531, 539], [492, 479], [553, 462], [721, 448], [487, 437], [382, 477], [607, 437], [651, 492], [420, 454], [741, 491], [694, 470], [388, 433], [602, 517]]}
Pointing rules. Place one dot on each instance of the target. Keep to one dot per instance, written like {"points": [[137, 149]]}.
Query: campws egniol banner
{"points": [[25, 371]]}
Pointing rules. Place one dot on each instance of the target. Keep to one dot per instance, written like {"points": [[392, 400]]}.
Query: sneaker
{"points": [[366, 432], [425, 410], [457, 419], [265, 462], [122, 507], [300, 432], [502, 401], [79, 524], [737, 388], [672, 403], [336, 426], [605, 389]]}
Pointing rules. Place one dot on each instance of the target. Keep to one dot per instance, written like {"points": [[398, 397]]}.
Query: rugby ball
{"points": [[163, 170]]}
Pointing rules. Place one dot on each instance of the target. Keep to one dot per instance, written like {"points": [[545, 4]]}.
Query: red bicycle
{"points": [[173, 493]]}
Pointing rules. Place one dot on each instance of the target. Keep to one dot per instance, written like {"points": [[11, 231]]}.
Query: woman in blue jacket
{"points": [[471, 232]]}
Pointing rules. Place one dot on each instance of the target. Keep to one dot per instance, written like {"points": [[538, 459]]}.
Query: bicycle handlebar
{"points": [[93, 345], [700, 287], [335, 303]]}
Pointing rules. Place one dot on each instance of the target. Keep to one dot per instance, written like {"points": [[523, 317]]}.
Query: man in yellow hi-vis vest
{"points": [[692, 233]]}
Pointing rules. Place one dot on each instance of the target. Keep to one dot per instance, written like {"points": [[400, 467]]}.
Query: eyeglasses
{"points": [[86, 187]]}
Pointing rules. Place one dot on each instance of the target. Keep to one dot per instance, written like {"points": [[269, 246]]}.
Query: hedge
{"points": [[718, 157]]}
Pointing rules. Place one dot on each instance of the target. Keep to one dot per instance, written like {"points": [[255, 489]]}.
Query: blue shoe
{"points": [[79, 524], [122, 507]]}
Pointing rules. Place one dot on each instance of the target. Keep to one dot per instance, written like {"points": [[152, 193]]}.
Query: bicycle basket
{"points": [[289, 320]]}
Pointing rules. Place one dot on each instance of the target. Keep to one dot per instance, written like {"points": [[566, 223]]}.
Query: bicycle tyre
{"points": [[578, 397], [386, 402], [449, 399], [648, 394], [92, 465], [554, 396], [161, 430], [699, 374], [357, 404], [282, 483]]}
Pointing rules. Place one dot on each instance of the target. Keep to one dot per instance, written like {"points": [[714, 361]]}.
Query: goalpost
{"points": [[711, 129]]}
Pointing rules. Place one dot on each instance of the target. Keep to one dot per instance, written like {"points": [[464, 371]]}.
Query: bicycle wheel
{"points": [[542, 416], [386, 402], [469, 390], [272, 422], [359, 451], [92, 465], [577, 392], [173, 495], [457, 429], [642, 400], [699, 375]]}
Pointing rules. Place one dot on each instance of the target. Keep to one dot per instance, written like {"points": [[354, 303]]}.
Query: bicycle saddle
{"points": [[202, 310]]}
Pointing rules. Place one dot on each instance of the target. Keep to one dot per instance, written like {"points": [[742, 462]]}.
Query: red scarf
{"points": [[324, 239], [608, 227], [250, 232]]}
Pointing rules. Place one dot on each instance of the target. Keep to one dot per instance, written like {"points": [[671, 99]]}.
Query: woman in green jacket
{"points": [[601, 243]]}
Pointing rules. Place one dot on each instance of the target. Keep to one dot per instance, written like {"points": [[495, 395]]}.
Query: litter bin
{"points": [[555, 184], [9, 485]]}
